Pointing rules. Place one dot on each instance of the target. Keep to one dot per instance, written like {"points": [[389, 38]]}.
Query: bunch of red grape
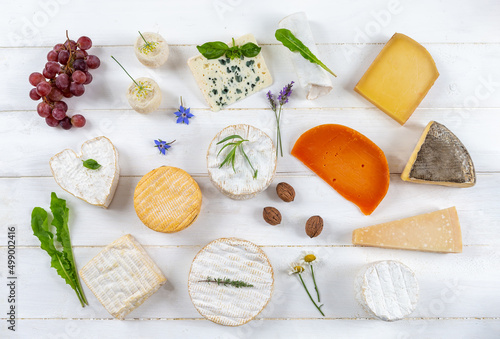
{"points": [[64, 76]]}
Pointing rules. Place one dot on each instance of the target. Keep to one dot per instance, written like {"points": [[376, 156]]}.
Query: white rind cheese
{"points": [[314, 79], [147, 100], [97, 187], [151, 57], [224, 81], [260, 150], [387, 289], [235, 259], [122, 276]]}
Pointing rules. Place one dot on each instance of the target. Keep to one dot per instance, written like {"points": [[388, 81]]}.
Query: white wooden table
{"points": [[460, 294]]}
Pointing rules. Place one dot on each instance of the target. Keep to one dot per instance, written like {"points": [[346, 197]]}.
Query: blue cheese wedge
{"points": [[97, 187], [239, 183], [224, 81], [237, 260], [387, 289], [122, 276]]}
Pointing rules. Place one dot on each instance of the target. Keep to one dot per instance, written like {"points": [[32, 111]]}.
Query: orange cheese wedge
{"points": [[348, 161]]}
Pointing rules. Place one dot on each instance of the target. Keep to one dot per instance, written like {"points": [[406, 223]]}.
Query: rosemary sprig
{"points": [[226, 282], [231, 156]]}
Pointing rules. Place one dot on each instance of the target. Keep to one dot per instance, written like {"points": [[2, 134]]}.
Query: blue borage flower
{"points": [[183, 114], [163, 146]]}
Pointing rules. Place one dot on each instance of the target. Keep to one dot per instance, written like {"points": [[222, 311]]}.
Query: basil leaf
{"points": [[295, 45], [233, 52], [91, 164], [250, 50], [213, 50]]}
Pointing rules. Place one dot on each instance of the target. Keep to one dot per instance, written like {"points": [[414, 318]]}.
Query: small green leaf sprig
{"points": [[149, 46], [226, 282], [140, 87], [216, 49], [231, 156], [91, 164]]}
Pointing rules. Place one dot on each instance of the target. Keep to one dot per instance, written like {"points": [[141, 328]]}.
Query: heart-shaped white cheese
{"points": [[97, 187]]}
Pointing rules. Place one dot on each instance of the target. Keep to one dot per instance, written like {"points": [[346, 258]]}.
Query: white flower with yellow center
{"points": [[296, 267], [308, 258]]}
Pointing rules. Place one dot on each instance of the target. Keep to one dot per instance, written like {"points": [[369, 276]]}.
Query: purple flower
{"points": [[272, 102], [183, 115], [285, 93], [163, 146]]}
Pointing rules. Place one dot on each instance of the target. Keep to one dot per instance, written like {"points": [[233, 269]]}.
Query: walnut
{"points": [[285, 192], [314, 226], [272, 216]]}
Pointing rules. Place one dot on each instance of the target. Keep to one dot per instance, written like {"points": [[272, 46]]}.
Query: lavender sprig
{"points": [[283, 97]]}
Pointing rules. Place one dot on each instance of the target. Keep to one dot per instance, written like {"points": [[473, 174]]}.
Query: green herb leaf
{"points": [[250, 50], [91, 164], [213, 50], [227, 281], [63, 262], [231, 156], [295, 45]]}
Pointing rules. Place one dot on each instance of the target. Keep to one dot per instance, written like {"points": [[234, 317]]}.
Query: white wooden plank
{"points": [[468, 78], [33, 23], [30, 143], [428, 328], [464, 285], [222, 217]]}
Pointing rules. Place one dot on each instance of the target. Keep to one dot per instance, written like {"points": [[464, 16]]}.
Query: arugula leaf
{"points": [[63, 262], [213, 50], [91, 164], [295, 45]]}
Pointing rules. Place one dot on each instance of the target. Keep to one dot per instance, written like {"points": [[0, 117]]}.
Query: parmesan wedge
{"points": [[122, 276], [97, 187], [154, 55], [146, 100], [314, 79]]}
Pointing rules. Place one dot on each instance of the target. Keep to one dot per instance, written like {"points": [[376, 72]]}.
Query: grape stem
{"points": [[135, 82]]}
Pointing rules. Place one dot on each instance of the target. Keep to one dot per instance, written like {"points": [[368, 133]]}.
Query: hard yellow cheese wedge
{"points": [[438, 231], [399, 77]]}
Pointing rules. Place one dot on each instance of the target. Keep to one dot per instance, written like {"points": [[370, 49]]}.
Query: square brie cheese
{"points": [[224, 81], [122, 276]]}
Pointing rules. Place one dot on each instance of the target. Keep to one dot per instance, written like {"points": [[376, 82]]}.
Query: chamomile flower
{"points": [[296, 267], [308, 258]]}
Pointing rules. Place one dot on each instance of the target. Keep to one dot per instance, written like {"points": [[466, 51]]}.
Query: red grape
{"points": [[76, 89], [55, 94], [52, 56], [70, 44], [36, 78], [58, 47], [65, 123], [93, 62], [43, 109], [63, 57], [84, 42], [58, 114], [80, 65], [88, 79], [51, 121], [53, 67], [67, 93], [79, 77], [34, 95], [48, 75], [78, 120], [43, 88], [61, 105], [79, 54], [62, 81]]}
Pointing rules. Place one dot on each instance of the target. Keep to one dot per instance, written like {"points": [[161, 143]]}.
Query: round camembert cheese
{"points": [[239, 183], [146, 99], [387, 289], [153, 55], [238, 260], [167, 199]]}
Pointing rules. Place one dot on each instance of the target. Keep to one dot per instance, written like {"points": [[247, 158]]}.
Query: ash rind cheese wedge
{"points": [[399, 77], [224, 81], [440, 159], [234, 259], [437, 231], [122, 276], [261, 152], [387, 289], [347, 161], [97, 187], [167, 199], [153, 55]]}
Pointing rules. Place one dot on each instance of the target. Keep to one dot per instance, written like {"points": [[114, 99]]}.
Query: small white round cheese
{"points": [[239, 183], [387, 289], [144, 100], [237, 260], [153, 55]]}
